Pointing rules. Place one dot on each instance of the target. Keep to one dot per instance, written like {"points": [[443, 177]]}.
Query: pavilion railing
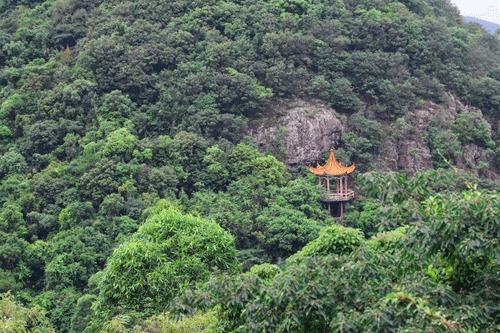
{"points": [[339, 196]]}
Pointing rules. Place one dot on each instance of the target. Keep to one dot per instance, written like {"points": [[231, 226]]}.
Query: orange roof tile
{"points": [[332, 167]]}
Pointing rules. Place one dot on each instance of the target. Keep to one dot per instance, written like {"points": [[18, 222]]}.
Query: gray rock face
{"points": [[471, 155], [414, 155], [411, 153], [390, 153], [302, 134]]}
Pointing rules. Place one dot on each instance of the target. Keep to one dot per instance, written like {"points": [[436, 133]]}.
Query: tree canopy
{"points": [[132, 198]]}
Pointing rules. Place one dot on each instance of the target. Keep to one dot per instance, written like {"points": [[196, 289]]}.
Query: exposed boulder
{"points": [[302, 133]]}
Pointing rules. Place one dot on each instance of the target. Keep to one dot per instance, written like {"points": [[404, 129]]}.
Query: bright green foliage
{"points": [[13, 268], [120, 143], [198, 323], [99, 181], [8, 281], [328, 294], [11, 220], [264, 212], [130, 323], [394, 200], [343, 97], [264, 271], [485, 94], [115, 106], [76, 213], [11, 250], [11, 163], [463, 231], [72, 256], [16, 318], [332, 240], [367, 216], [218, 173], [470, 128], [389, 241], [169, 252], [444, 142], [361, 140], [42, 137]]}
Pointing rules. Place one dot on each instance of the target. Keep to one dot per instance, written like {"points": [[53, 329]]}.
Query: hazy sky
{"points": [[484, 9]]}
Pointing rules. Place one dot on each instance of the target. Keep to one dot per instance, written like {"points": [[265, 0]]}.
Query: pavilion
{"points": [[333, 176]]}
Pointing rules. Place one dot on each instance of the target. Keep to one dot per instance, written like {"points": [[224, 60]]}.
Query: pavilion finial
{"points": [[67, 53]]}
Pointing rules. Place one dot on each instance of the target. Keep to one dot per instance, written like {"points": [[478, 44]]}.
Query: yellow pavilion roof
{"points": [[332, 167]]}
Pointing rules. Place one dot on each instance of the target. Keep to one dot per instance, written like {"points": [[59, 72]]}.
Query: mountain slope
{"points": [[107, 107], [488, 26]]}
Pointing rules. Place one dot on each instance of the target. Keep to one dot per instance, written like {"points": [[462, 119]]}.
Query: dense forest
{"points": [[133, 199]]}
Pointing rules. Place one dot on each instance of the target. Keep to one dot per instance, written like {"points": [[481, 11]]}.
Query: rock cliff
{"points": [[412, 153], [302, 134], [305, 130]]}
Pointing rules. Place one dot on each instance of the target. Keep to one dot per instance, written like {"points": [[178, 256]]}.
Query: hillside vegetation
{"points": [[133, 200]]}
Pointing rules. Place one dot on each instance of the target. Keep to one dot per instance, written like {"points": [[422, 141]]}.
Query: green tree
{"points": [[444, 143], [120, 144], [342, 96], [471, 128], [83, 313], [72, 256], [16, 318], [60, 306], [169, 252], [75, 214], [12, 220], [462, 231], [285, 230], [99, 181], [12, 162], [42, 137], [115, 105], [332, 239]]}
